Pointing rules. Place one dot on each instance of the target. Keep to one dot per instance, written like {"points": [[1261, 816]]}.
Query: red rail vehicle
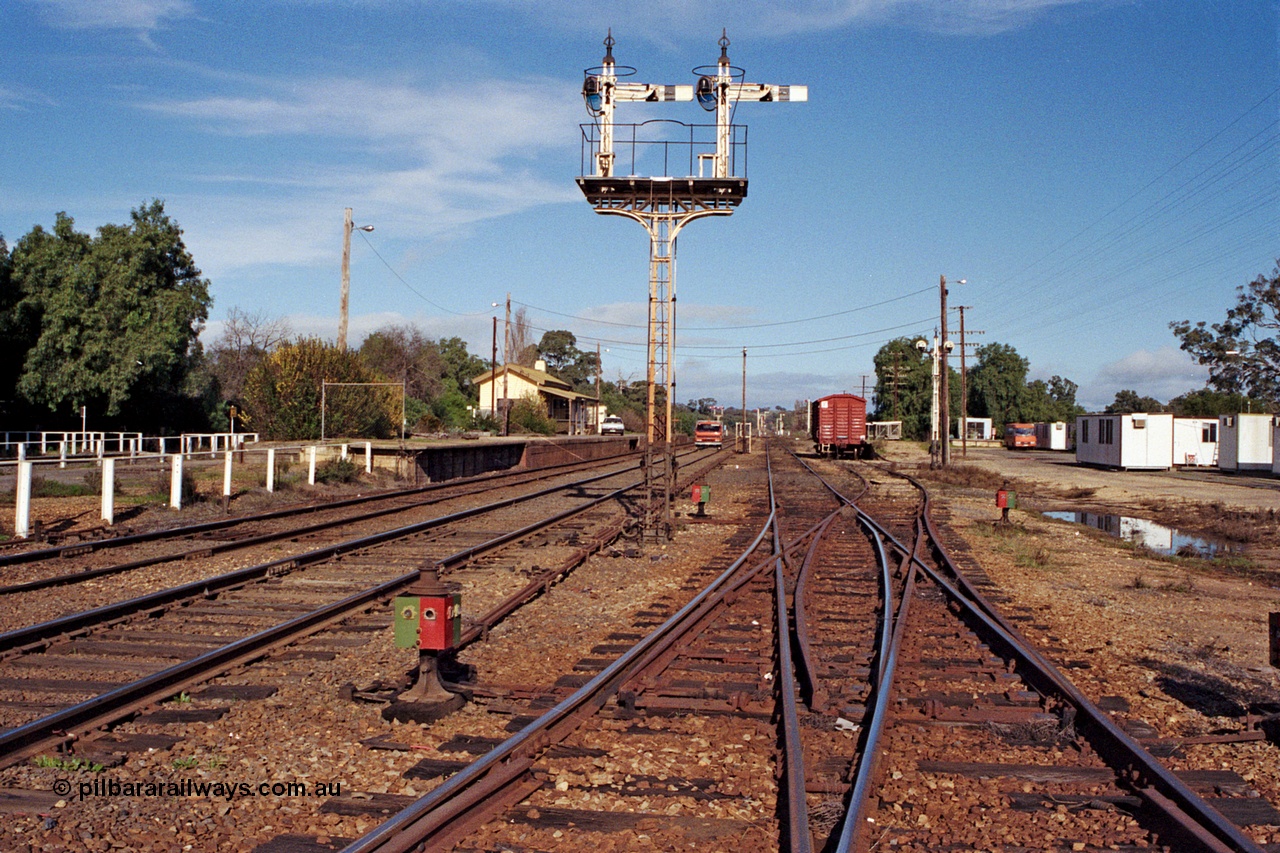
{"points": [[708, 434], [838, 425]]}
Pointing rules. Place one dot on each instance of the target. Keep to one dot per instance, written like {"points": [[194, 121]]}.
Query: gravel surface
{"points": [[1184, 641]]}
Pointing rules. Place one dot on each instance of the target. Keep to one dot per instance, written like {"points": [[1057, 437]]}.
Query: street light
{"points": [[937, 438], [946, 375], [347, 227]]}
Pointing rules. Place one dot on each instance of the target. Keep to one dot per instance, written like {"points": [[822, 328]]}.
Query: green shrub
{"points": [[337, 471]]}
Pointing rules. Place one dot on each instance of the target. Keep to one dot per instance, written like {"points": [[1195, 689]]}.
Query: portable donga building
{"points": [[1052, 435], [1195, 441], [1140, 440], [1245, 442]]}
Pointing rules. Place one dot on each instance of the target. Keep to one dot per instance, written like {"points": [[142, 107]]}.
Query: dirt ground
{"points": [[1184, 640]]}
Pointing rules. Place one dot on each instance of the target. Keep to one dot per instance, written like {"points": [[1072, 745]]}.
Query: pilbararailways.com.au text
{"points": [[196, 788]]}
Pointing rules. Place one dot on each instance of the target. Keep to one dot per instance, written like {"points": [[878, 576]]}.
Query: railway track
{"points": [[135, 653], [883, 662], [763, 702], [266, 533]]}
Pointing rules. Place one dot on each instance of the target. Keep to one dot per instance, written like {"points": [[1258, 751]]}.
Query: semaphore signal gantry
{"points": [[675, 173]]}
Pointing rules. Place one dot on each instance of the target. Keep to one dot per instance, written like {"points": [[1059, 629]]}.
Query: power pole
{"points": [[743, 428], [945, 387], [964, 388], [506, 365], [493, 372], [347, 227]]}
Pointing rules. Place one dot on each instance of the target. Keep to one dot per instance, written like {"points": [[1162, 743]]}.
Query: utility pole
{"points": [[493, 372], [945, 387], [964, 374], [347, 227], [506, 365], [743, 428]]}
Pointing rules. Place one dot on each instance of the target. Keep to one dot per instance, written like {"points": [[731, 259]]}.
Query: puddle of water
{"points": [[1156, 537]]}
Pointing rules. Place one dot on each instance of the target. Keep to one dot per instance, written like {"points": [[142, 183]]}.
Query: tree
{"points": [[460, 365], [245, 340], [283, 394], [16, 332], [904, 387], [118, 316], [1128, 401], [520, 348], [1242, 352], [559, 348], [703, 405], [403, 354], [998, 385], [1050, 401], [1208, 403]]}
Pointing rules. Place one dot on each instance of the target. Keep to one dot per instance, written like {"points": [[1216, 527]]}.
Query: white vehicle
{"points": [[612, 425]]}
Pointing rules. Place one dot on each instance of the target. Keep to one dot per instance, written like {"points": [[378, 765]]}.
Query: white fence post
{"points": [[175, 483], [109, 491], [226, 479], [22, 494], [62, 454], [271, 469], [368, 457], [311, 466]]}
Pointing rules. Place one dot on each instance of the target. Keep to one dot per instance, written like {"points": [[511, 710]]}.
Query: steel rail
{"points": [[854, 823], [110, 706], [799, 838], [481, 625], [810, 687], [1189, 815], [37, 554], [35, 634], [126, 699], [463, 796]]}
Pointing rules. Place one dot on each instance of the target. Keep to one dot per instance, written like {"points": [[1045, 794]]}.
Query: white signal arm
{"points": [[602, 91], [720, 92]]}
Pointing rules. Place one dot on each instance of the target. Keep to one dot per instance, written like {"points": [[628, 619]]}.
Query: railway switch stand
{"points": [[702, 497], [701, 172], [427, 617], [1006, 499]]}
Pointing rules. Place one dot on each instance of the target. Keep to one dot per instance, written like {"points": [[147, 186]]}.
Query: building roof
{"points": [[546, 383], [540, 378]]}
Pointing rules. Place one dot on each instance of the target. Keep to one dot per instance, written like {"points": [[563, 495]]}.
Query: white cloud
{"points": [[113, 14], [1163, 374], [754, 18]]}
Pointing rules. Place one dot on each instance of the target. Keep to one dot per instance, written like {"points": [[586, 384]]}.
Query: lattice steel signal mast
{"points": [[664, 203]]}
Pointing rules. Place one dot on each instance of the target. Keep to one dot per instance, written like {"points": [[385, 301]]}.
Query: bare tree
{"points": [[245, 340], [522, 350]]}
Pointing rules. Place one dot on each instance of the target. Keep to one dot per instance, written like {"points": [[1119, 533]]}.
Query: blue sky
{"points": [[1093, 168]]}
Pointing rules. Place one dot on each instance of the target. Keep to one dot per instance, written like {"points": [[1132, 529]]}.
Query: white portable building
{"points": [[1195, 441], [1245, 442], [1140, 440], [1051, 436], [976, 429]]}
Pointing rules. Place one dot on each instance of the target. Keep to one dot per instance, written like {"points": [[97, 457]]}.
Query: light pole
{"points": [[946, 371], [937, 439], [347, 227]]}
